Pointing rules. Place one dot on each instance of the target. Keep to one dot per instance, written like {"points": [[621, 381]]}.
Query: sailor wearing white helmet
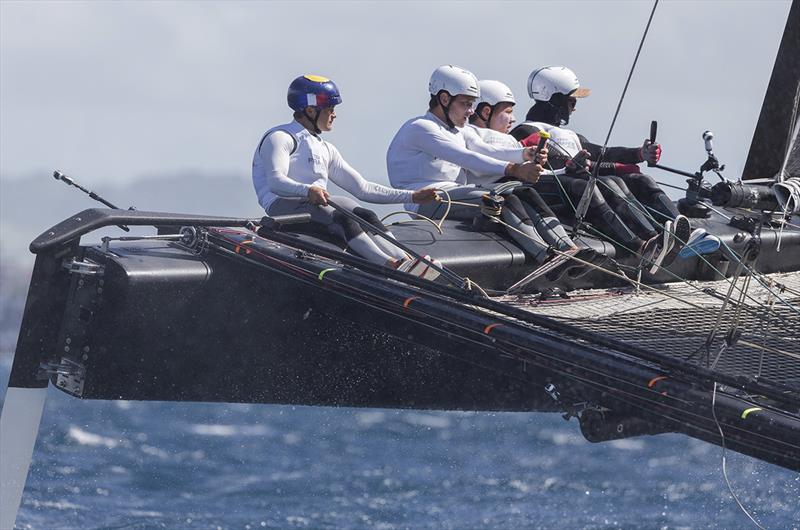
{"points": [[491, 122], [494, 113], [614, 208], [431, 151], [292, 165], [620, 161]]}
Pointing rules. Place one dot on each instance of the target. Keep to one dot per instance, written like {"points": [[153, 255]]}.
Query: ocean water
{"points": [[142, 465]]}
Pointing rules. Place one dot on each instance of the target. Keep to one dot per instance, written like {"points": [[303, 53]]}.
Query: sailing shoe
{"points": [[695, 236], [421, 268], [700, 243], [681, 232], [656, 248]]}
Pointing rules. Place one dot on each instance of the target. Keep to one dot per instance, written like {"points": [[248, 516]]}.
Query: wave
{"points": [[210, 429]]}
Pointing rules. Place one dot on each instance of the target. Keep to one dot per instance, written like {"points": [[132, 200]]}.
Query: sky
{"points": [[112, 92]]}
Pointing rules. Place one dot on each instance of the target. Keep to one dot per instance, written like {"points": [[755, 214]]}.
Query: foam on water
{"points": [[87, 438], [229, 430]]}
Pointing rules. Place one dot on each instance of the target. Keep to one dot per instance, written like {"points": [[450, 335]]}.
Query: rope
{"points": [[724, 460], [534, 356], [587, 194], [675, 276], [415, 214], [637, 282]]}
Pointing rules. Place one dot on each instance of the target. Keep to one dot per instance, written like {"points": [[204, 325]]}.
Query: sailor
{"points": [[555, 91], [491, 122], [292, 165], [430, 151]]}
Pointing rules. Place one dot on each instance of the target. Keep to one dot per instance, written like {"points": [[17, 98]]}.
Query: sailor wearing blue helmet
{"points": [[292, 165]]}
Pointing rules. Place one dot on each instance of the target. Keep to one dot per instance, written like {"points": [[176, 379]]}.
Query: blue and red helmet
{"points": [[312, 91]]}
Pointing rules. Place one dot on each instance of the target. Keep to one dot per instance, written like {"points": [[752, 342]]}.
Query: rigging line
{"points": [[770, 349], [627, 82], [447, 210], [724, 459], [757, 276], [675, 276], [739, 305], [262, 264], [636, 204], [670, 186], [531, 357], [713, 333], [703, 258], [733, 326], [523, 319], [617, 275], [584, 202], [419, 217]]}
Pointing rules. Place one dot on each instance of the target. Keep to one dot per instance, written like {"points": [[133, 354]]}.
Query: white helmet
{"points": [[545, 82], [494, 92], [454, 80]]}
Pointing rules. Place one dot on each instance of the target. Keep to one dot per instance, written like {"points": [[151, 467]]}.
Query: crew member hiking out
{"points": [[656, 230], [430, 151], [292, 165]]}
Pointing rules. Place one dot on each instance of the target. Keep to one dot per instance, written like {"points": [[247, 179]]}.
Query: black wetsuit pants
{"points": [[649, 193], [564, 192]]}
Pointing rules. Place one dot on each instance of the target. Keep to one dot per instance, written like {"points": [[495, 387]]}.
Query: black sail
{"points": [[776, 127]]}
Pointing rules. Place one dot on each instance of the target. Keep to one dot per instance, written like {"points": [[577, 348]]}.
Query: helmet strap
{"points": [[489, 117], [560, 104], [313, 120], [446, 109]]}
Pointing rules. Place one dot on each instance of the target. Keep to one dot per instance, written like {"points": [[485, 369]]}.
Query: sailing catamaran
{"points": [[234, 310]]}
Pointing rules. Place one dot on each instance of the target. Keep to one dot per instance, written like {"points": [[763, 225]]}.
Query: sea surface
{"points": [[142, 465]]}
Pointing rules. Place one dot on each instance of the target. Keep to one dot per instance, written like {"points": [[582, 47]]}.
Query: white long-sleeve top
{"points": [[425, 152], [289, 160], [472, 135], [563, 138]]}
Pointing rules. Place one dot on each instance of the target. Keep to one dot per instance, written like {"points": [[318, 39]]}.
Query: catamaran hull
{"points": [[269, 324]]}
